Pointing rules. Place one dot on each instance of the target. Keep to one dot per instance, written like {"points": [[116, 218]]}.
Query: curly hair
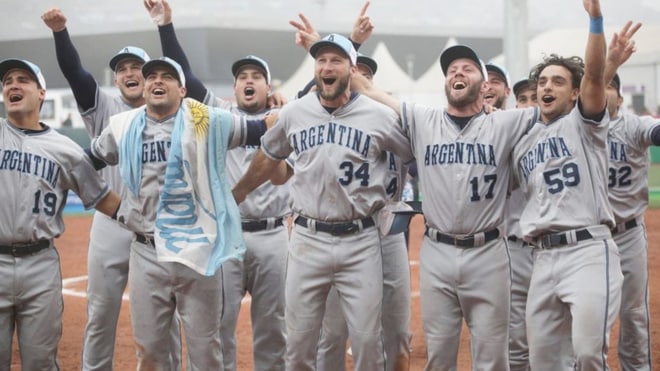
{"points": [[575, 65]]}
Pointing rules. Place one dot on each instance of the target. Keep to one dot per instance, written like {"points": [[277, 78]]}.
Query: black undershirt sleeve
{"points": [[172, 49], [82, 83]]}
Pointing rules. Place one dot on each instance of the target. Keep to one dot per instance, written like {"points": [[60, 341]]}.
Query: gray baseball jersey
{"points": [[562, 169], [108, 256], [261, 273], [396, 290], [138, 213], [322, 143], [565, 161], [96, 119], [629, 140], [267, 201], [37, 170], [463, 172]]}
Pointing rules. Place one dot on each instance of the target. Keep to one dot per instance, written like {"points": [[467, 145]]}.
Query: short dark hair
{"points": [[575, 65]]}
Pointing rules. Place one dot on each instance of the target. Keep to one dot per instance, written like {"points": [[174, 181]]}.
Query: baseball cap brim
{"points": [[167, 63], [458, 52], [10, 64], [251, 60], [369, 62], [129, 52]]}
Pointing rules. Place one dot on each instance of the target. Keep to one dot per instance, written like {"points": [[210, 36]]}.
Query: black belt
{"points": [[144, 239], [260, 225], [337, 229], [551, 241], [467, 241], [513, 238], [23, 250], [626, 226]]}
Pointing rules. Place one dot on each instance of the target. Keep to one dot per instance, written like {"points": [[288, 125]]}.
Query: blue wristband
{"points": [[596, 25]]}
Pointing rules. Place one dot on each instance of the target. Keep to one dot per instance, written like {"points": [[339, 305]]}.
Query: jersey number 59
{"points": [[557, 179]]}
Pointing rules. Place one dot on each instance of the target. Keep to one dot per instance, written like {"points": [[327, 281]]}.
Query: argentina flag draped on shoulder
{"points": [[198, 223]]}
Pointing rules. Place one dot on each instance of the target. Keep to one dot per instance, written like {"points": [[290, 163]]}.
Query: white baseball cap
{"points": [[129, 52], [337, 41], [33, 69], [166, 62]]}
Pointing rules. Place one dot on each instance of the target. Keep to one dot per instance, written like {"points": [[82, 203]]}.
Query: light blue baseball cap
{"points": [[129, 52], [336, 41], [34, 70], [165, 62]]}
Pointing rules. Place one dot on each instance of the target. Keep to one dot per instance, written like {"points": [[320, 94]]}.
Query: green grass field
{"points": [[654, 185]]}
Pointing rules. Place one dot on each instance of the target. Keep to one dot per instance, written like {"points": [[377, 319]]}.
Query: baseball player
{"points": [[177, 201], [499, 86], [108, 254], [521, 254], [525, 93], [38, 168], [263, 214], [337, 138], [629, 137], [396, 280], [464, 263], [562, 167]]}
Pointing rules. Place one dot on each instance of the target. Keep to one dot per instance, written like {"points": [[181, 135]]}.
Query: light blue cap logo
{"points": [[166, 62], [338, 41]]}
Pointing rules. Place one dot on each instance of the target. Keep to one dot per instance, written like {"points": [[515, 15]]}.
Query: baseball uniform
{"points": [[261, 273], [334, 241], [109, 243], [575, 289], [464, 262], [522, 263], [37, 169], [629, 140], [158, 288], [396, 291]]}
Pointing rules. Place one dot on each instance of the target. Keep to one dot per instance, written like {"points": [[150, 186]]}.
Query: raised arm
{"points": [[82, 83], [592, 87], [621, 47], [362, 28], [161, 13], [362, 85]]}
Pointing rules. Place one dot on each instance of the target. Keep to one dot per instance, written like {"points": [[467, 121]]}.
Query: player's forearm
{"points": [[109, 204], [171, 47], [592, 88], [81, 81], [282, 173], [260, 170]]}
